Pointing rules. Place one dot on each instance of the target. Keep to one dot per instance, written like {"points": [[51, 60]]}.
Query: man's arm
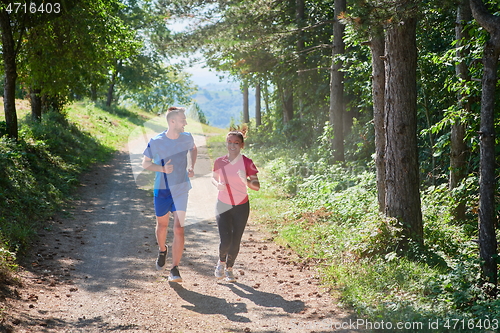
{"points": [[193, 154], [148, 164]]}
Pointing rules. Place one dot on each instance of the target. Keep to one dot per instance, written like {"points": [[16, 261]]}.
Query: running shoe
{"points": [[229, 275], [175, 276], [160, 261], [219, 270]]}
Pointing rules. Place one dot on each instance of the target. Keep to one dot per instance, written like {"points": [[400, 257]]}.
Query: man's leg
{"points": [[161, 231], [178, 243]]}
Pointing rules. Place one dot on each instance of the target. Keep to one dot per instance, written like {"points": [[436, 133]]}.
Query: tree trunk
{"points": [[114, 76], [36, 104], [458, 148], [10, 72], [258, 117], [288, 104], [93, 93], [337, 84], [401, 155], [266, 97], [487, 184], [111, 89], [301, 65], [378, 90], [246, 114]]}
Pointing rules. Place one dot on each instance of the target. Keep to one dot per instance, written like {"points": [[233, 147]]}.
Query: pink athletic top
{"points": [[228, 173]]}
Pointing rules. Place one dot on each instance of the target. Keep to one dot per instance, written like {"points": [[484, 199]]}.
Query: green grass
{"points": [[109, 127]]}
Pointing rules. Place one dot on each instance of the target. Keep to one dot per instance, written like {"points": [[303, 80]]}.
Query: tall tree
{"points": [[337, 107], [368, 19], [402, 198], [115, 71], [377, 46], [66, 54], [487, 185], [286, 90], [270, 39], [301, 58], [458, 148], [258, 111], [9, 52], [15, 22], [246, 114], [146, 25]]}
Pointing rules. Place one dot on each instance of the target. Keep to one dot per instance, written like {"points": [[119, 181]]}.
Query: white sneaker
{"points": [[219, 270], [229, 275]]}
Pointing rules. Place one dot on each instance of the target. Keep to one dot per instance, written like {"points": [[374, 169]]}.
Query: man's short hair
{"points": [[173, 111]]}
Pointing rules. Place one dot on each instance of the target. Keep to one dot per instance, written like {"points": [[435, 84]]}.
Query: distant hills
{"points": [[221, 102]]}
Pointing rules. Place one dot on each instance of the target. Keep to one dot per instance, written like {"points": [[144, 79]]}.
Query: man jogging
{"points": [[166, 154]]}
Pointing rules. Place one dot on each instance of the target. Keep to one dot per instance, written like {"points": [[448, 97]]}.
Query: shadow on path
{"points": [[205, 304], [265, 299]]}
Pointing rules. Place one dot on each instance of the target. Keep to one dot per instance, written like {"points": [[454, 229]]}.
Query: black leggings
{"points": [[231, 221]]}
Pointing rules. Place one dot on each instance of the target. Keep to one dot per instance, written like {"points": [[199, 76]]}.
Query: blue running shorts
{"points": [[164, 205]]}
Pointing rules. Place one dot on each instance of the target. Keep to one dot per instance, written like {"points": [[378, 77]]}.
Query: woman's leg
{"points": [[239, 215], [225, 225]]}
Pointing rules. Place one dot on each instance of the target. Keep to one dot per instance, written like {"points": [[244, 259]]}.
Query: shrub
{"points": [[332, 216], [39, 172]]}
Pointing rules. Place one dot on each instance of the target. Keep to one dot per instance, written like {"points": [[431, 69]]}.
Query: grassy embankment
{"points": [[39, 173]]}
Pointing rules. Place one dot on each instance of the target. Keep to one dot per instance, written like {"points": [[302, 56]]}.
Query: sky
{"points": [[201, 76]]}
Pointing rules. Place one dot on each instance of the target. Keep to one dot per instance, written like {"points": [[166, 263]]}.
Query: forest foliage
{"points": [[333, 212]]}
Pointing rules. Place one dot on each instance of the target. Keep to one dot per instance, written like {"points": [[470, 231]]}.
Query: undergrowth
{"points": [[330, 213]]}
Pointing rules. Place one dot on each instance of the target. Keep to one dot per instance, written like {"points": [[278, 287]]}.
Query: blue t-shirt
{"points": [[161, 149]]}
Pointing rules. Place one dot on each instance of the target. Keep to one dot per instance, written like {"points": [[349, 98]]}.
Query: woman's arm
{"points": [[253, 183], [221, 186]]}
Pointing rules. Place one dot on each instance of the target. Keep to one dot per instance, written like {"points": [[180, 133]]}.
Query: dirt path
{"points": [[94, 271]]}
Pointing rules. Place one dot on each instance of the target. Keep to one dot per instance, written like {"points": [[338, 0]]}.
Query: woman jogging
{"points": [[232, 174]]}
